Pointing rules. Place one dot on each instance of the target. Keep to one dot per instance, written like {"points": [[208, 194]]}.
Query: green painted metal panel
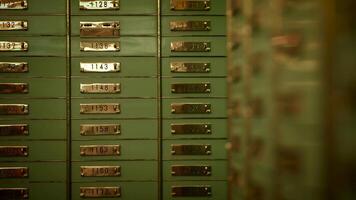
{"points": [[129, 25], [217, 45], [218, 170], [217, 7], [38, 150], [129, 87], [38, 25], [217, 25], [38, 129], [129, 150], [47, 190], [40, 7], [130, 171]]}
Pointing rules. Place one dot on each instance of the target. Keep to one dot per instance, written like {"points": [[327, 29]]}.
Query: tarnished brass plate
{"points": [[100, 129], [191, 191], [99, 4], [14, 109], [190, 108], [179, 88], [99, 150], [97, 192], [13, 172], [190, 25], [105, 46], [190, 129], [14, 193], [191, 149], [183, 170], [100, 88], [100, 67], [13, 151], [13, 4], [13, 25], [13, 46], [100, 108], [13, 67], [14, 130], [182, 46], [103, 29], [184, 67], [190, 5], [13, 88], [100, 171]]}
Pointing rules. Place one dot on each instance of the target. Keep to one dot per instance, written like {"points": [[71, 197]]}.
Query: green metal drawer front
{"points": [[194, 108], [32, 129], [36, 46], [194, 87], [194, 128], [38, 7], [128, 25], [37, 108], [124, 150], [32, 67], [128, 190], [32, 88], [115, 7], [193, 7], [33, 25], [216, 189], [125, 46], [99, 67], [193, 25], [193, 46], [100, 129], [55, 191], [194, 67], [113, 87], [129, 108], [36, 172], [194, 170], [194, 149], [32, 150], [129, 171]]}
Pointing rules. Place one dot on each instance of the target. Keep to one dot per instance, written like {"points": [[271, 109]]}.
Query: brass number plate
{"points": [[13, 67], [14, 130], [97, 108], [182, 67], [100, 171], [104, 29], [99, 129], [182, 170], [104, 192], [190, 46], [13, 88], [190, 88], [100, 150], [13, 46], [13, 4], [190, 149], [191, 191], [194, 129], [13, 25], [13, 151], [190, 25], [190, 5], [100, 88], [14, 193], [14, 109], [99, 67], [101, 46], [13, 172], [190, 108], [99, 4]]}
